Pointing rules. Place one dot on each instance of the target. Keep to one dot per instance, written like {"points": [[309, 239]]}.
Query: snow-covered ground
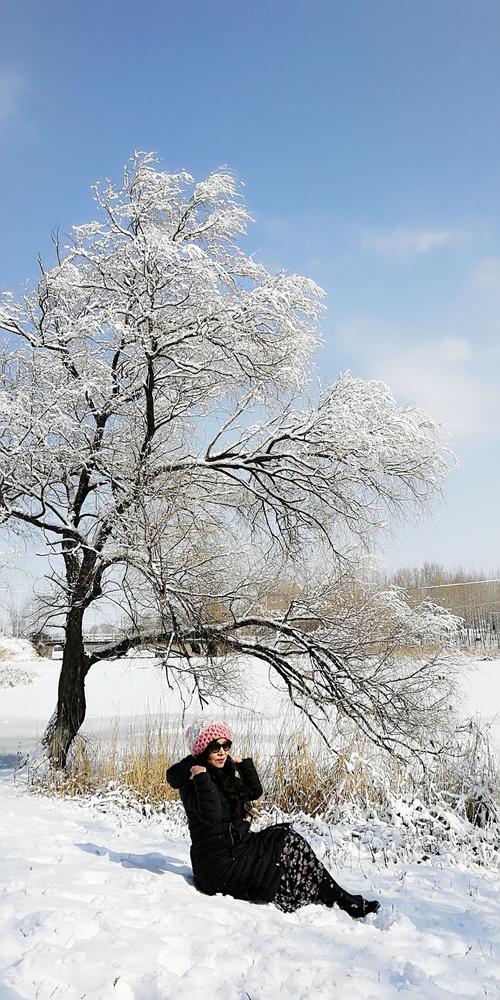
{"points": [[481, 696], [122, 694], [94, 907], [97, 903]]}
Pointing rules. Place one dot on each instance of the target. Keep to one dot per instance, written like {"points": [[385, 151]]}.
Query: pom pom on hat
{"points": [[201, 732]]}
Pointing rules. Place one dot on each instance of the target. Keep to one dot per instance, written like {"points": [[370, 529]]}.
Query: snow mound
{"points": [[12, 648], [14, 676]]}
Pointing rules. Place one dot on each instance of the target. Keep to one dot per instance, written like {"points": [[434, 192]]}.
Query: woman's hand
{"points": [[235, 760], [197, 769]]}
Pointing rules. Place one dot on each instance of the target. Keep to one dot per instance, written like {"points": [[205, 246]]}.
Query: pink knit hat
{"points": [[201, 732]]}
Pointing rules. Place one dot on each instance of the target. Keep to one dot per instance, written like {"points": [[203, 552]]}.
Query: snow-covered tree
{"points": [[155, 431]]}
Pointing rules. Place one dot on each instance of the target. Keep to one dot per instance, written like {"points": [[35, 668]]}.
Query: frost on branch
{"points": [[156, 433]]}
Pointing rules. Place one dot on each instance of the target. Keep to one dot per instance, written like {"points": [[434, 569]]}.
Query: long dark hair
{"points": [[231, 786]]}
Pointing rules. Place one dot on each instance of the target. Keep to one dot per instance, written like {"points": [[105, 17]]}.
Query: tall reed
{"points": [[299, 773]]}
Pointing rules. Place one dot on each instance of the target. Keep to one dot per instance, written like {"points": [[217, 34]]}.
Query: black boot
{"points": [[356, 906], [331, 893]]}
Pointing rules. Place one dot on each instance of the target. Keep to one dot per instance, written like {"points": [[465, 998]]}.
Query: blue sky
{"points": [[367, 135]]}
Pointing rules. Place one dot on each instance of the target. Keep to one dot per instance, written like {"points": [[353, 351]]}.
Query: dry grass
{"points": [[139, 768], [298, 773], [301, 777]]}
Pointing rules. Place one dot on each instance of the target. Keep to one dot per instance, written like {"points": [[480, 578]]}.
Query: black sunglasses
{"points": [[215, 746]]}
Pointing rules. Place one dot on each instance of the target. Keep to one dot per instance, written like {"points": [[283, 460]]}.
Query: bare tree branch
{"points": [[155, 431]]}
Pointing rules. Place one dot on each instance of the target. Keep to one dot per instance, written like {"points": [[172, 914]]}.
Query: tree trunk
{"points": [[71, 704]]}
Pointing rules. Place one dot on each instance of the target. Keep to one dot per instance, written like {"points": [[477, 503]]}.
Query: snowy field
{"points": [[97, 903], [94, 907], [127, 696], [122, 694]]}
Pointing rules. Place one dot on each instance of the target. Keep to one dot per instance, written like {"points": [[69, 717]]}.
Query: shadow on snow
{"points": [[152, 862]]}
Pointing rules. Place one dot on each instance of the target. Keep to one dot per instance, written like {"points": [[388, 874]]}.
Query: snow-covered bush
{"points": [[13, 675], [14, 648], [14, 655]]}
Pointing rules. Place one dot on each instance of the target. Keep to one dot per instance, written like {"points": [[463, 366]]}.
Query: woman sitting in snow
{"points": [[274, 865]]}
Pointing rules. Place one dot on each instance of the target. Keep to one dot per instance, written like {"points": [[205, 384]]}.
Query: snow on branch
{"points": [[159, 429]]}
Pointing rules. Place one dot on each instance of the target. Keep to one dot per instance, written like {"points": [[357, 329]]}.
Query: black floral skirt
{"points": [[301, 874]]}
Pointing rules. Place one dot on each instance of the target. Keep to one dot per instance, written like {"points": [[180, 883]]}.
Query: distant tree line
{"points": [[472, 595]]}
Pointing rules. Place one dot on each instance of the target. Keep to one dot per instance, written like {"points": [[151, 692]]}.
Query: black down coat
{"points": [[226, 856]]}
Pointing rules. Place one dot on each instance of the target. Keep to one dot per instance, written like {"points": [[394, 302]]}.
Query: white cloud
{"points": [[454, 350], [447, 379], [402, 241], [486, 273], [12, 86], [455, 379]]}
